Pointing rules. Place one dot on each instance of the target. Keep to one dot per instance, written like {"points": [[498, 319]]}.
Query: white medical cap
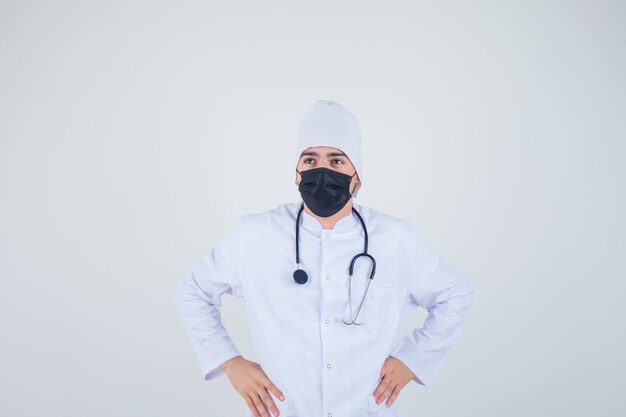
{"points": [[328, 123]]}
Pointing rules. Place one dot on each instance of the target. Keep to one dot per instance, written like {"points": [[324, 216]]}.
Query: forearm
{"points": [[202, 320]]}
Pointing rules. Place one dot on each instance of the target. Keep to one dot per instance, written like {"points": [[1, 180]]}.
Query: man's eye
{"points": [[339, 160], [308, 159]]}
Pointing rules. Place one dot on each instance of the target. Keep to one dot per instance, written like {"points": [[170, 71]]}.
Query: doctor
{"points": [[325, 283]]}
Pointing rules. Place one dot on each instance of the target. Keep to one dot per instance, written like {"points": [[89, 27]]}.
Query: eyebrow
{"points": [[329, 154]]}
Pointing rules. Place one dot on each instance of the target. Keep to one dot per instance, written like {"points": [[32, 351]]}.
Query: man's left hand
{"points": [[394, 376]]}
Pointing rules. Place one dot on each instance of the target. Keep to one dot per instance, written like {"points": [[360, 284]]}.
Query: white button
{"points": [[330, 414], [328, 365], [327, 277], [327, 321]]}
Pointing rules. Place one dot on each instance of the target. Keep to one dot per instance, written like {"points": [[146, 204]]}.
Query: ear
{"points": [[357, 184]]}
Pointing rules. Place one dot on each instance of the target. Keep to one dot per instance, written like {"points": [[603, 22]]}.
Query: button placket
{"points": [[327, 340]]}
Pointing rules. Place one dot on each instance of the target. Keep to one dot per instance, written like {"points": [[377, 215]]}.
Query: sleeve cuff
{"points": [[409, 364], [214, 370]]}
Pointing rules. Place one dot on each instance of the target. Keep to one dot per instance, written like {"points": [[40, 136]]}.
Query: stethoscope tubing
{"points": [[304, 277]]}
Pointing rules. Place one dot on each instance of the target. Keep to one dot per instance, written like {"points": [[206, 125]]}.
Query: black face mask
{"points": [[324, 190]]}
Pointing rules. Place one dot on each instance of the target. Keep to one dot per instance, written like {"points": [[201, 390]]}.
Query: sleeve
{"points": [[447, 296], [198, 301]]}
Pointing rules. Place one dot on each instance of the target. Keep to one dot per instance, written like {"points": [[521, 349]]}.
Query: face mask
{"points": [[324, 190]]}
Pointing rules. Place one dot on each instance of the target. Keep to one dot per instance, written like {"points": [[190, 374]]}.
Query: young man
{"points": [[325, 283]]}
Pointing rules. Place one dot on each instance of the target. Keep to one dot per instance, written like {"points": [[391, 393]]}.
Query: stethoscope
{"points": [[301, 277]]}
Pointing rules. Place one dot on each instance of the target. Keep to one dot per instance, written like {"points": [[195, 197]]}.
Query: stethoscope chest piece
{"points": [[300, 276]]}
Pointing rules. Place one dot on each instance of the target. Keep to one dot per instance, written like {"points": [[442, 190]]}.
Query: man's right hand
{"points": [[251, 382]]}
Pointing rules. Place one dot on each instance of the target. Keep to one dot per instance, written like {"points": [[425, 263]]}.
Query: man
{"points": [[324, 299]]}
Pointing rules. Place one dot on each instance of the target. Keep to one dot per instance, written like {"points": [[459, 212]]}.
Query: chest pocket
{"points": [[382, 312]]}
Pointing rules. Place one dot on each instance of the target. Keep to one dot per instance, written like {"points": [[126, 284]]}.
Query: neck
{"points": [[329, 222]]}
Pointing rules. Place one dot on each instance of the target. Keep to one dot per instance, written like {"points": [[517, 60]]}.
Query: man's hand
{"points": [[395, 375], [252, 384]]}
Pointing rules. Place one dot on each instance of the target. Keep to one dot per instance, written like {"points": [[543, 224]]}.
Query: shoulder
{"points": [[403, 229], [408, 232], [378, 218], [281, 212]]}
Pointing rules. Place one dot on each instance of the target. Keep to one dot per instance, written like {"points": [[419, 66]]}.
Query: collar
{"points": [[345, 224]]}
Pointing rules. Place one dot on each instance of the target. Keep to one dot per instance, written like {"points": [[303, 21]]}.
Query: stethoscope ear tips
{"points": [[300, 276]]}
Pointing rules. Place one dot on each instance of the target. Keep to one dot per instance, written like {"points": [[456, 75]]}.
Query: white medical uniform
{"points": [[324, 367]]}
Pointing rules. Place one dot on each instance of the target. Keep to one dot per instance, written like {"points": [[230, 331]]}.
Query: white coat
{"points": [[324, 367]]}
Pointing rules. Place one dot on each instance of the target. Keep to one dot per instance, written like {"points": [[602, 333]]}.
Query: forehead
{"points": [[323, 151]]}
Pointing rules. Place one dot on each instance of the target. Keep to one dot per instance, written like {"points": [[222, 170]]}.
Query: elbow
{"points": [[461, 296], [467, 290], [183, 293], [466, 296]]}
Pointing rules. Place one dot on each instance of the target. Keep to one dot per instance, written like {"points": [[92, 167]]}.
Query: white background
{"points": [[133, 134]]}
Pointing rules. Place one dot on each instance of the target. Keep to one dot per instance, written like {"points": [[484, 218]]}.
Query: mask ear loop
{"points": [[354, 184]]}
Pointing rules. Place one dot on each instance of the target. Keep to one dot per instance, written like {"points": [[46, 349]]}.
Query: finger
{"points": [[384, 369], [259, 405], [251, 406], [274, 389], [269, 402], [386, 392], [393, 396], [382, 387], [384, 395]]}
